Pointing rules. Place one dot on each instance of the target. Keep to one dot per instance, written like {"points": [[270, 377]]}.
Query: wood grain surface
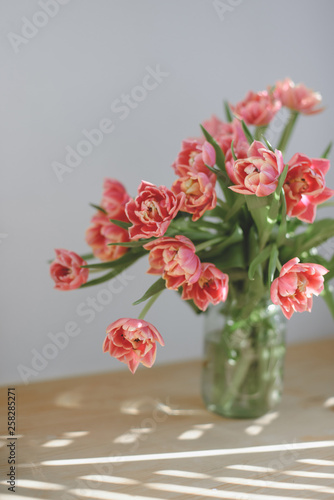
{"points": [[120, 436]]}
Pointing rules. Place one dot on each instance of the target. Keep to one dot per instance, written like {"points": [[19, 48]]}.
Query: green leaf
{"points": [[282, 230], [98, 208], [315, 234], [247, 132], [261, 257], [105, 277], [131, 244], [239, 202], [328, 295], [235, 237], [120, 223], [325, 154], [220, 157], [87, 256], [228, 113], [269, 146], [232, 150], [232, 256], [272, 264], [157, 287], [130, 257]]}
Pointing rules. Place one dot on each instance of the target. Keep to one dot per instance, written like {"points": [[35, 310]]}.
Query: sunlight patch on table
{"points": [[191, 454], [262, 483], [183, 473], [57, 443], [109, 479]]}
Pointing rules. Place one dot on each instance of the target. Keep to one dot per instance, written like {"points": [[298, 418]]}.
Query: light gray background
{"points": [[64, 80]]}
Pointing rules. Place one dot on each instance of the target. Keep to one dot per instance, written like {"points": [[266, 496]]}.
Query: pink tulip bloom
{"points": [[132, 341], [175, 260], [152, 210], [258, 174], [225, 133], [194, 156], [199, 193], [66, 270], [298, 97], [296, 284], [257, 109], [305, 187], [212, 287], [114, 199], [100, 233], [241, 152]]}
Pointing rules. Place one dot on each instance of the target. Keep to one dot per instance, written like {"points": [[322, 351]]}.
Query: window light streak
{"points": [[261, 483], [109, 479], [126, 438], [203, 426], [6, 496], [215, 493], [312, 461], [100, 495], [36, 485], [192, 454], [191, 434], [183, 473], [173, 411], [329, 402], [75, 434], [254, 430], [71, 399], [250, 468], [304, 473], [57, 443], [267, 419]]}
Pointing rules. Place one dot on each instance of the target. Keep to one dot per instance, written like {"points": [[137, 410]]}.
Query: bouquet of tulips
{"points": [[238, 222]]}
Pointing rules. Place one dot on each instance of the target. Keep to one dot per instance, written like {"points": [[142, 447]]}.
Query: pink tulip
{"points": [[199, 194], [114, 199], [175, 260], [152, 210], [305, 187], [194, 156], [132, 341], [298, 97], [296, 284], [212, 287], [225, 133], [258, 174], [241, 152], [100, 233], [66, 270], [257, 109]]}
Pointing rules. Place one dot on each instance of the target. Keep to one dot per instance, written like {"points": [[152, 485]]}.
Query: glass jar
{"points": [[242, 374]]}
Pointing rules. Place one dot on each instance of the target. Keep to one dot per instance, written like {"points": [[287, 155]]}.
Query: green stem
{"points": [[208, 243], [259, 131], [239, 375], [148, 305], [287, 131]]}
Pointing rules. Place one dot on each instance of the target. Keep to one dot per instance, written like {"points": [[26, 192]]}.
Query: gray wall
{"points": [[62, 78]]}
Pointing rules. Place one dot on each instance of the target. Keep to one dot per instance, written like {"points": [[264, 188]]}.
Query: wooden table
{"points": [[148, 436]]}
